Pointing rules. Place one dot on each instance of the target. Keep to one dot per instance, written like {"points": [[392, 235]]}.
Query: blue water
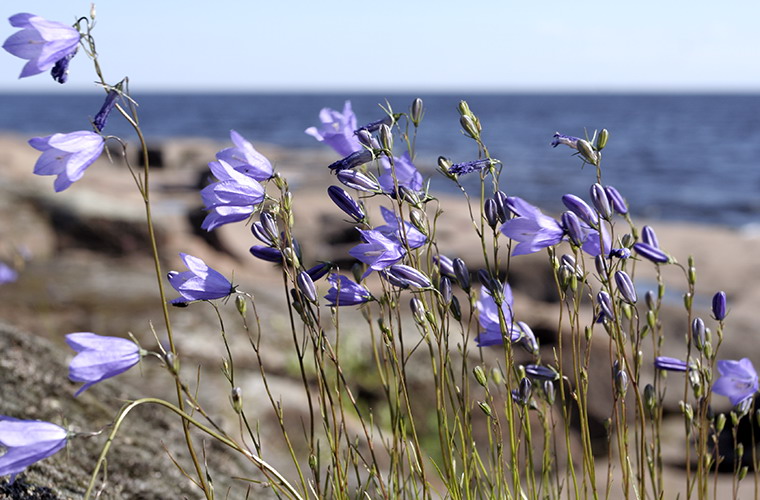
{"points": [[676, 157]]}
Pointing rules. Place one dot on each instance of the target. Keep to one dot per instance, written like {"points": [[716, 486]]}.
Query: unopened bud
{"points": [[720, 423], [588, 153], [491, 213], [464, 108], [306, 285], [548, 387], [455, 308], [417, 111], [386, 137], [485, 408], [418, 311], [480, 376], [698, 333], [236, 396], [601, 139], [469, 126], [241, 304]]}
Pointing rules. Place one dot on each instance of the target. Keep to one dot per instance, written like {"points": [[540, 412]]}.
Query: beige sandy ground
{"points": [[88, 271]]}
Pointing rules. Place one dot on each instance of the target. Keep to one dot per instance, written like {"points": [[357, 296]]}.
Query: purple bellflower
{"points": [[530, 228], [378, 251], [233, 198], [200, 282], [345, 292], [488, 317], [43, 43], [7, 274], [99, 357], [27, 442], [406, 174], [66, 155], [245, 159], [392, 229], [738, 380], [337, 130], [567, 140]]}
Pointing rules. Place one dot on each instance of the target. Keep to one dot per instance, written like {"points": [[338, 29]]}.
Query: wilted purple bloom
{"points": [[378, 251], [60, 71], [541, 372], [357, 180], [738, 380], [470, 166], [651, 253], [66, 155], [616, 199], [99, 357], [105, 110], [567, 140], [26, 442], [200, 282], [7, 274], [531, 229], [233, 198], [355, 159], [409, 275], [393, 230], [268, 254], [718, 306], [649, 237], [43, 43], [337, 130], [406, 174], [670, 364], [345, 292], [345, 202], [625, 286], [581, 209], [488, 317], [245, 159]]}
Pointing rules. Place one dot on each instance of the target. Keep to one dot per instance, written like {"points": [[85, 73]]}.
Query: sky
{"points": [[406, 45]]}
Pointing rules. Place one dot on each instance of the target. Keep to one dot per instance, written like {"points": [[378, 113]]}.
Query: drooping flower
{"points": [[738, 380], [99, 122], [393, 230], [245, 159], [7, 274], [66, 155], [345, 292], [27, 442], [43, 43], [233, 198], [471, 166], [337, 130], [531, 229], [375, 125], [378, 251], [405, 172], [200, 282], [567, 140], [488, 317], [99, 357]]}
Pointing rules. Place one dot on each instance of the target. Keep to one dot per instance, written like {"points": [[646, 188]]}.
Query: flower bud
{"points": [[548, 387], [320, 270], [357, 180], [480, 376], [601, 139], [688, 300], [345, 202], [698, 333], [468, 124], [236, 396], [355, 159], [464, 108], [386, 137], [241, 305], [605, 304], [410, 276], [418, 311], [541, 372], [651, 320], [572, 227], [502, 208], [306, 286], [261, 234], [522, 394], [445, 289], [485, 408], [621, 383], [719, 306], [651, 253], [616, 200], [587, 152], [581, 209], [365, 138], [417, 111], [650, 398], [492, 216], [462, 274], [600, 200], [649, 237], [270, 226], [625, 287], [601, 267], [455, 308], [268, 254], [445, 265]]}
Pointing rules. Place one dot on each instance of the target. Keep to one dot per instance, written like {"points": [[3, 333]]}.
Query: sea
{"points": [[675, 157]]}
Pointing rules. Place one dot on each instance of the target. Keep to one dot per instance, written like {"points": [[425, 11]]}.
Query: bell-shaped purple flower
{"points": [[719, 306], [99, 357], [43, 43], [345, 292], [26, 442], [393, 230], [66, 155], [233, 198], [567, 140], [378, 251], [337, 130], [488, 317], [738, 380], [200, 282], [406, 174], [530, 228], [245, 159]]}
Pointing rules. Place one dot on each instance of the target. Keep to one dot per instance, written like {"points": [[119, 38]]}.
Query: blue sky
{"points": [[395, 45]]}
